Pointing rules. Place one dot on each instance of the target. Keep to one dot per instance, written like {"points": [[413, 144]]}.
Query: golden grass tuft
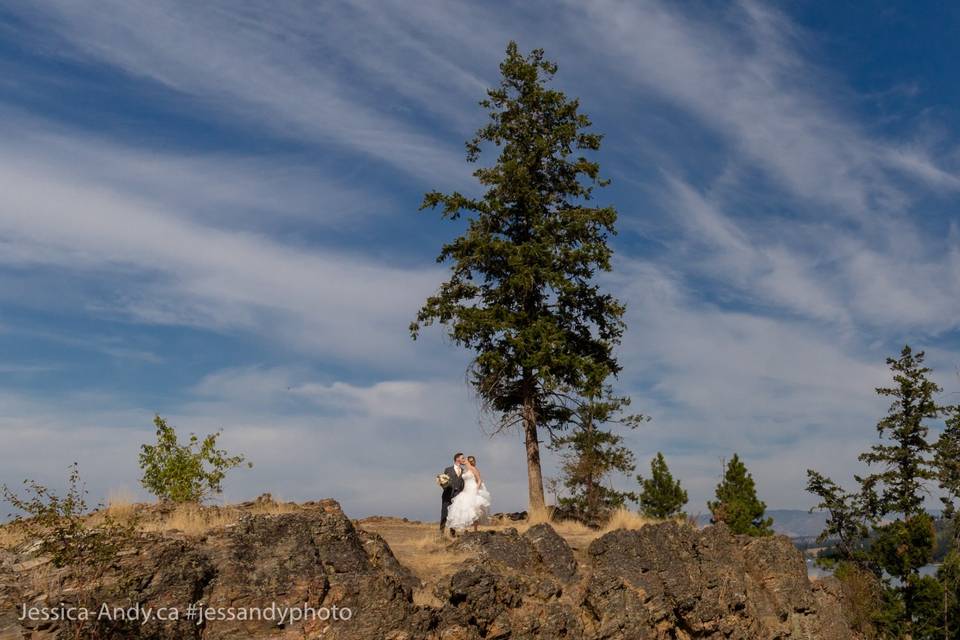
{"points": [[121, 503], [273, 508], [571, 528], [11, 535], [430, 560], [539, 516], [193, 519], [626, 519]]}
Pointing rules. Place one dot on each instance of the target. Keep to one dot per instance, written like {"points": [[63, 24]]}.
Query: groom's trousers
{"points": [[444, 505], [449, 492]]}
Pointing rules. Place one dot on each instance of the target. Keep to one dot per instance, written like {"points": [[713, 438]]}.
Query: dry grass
{"points": [[626, 519], [121, 503], [419, 547], [193, 519], [44, 578], [11, 535], [430, 561], [572, 528], [578, 535], [190, 519], [539, 516]]}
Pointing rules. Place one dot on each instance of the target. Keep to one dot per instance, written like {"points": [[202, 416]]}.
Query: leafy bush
{"points": [[176, 472], [60, 525]]}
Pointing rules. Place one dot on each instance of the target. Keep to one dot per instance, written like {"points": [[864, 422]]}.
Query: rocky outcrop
{"points": [[312, 560], [539, 552], [705, 584], [662, 581]]}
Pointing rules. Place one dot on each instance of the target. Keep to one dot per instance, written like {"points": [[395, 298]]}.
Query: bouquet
{"points": [[443, 479]]}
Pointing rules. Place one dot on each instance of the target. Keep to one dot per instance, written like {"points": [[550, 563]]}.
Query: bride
{"points": [[472, 505]]}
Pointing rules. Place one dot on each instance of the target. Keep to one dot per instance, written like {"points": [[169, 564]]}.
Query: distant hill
{"points": [[794, 523]]}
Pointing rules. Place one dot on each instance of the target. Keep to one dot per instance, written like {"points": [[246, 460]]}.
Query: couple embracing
{"points": [[465, 501]]}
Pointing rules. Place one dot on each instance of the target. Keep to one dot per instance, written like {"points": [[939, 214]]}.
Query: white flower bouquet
{"points": [[443, 479]]}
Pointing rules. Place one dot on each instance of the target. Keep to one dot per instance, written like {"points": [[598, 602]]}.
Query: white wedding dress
{"points": [[472, 505]]}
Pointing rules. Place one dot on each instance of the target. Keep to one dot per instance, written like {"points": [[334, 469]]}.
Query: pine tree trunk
{"points": [[592, 507], [534, 473], [908, 611]]}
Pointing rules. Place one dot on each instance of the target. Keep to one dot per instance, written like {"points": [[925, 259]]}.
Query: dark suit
{"points": [[450, 492]]}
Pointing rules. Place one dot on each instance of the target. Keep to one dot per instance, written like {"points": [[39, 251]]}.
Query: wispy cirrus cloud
{"points": [[172, 267], [269, 66], [742, 73], [223, 189], [822, 271]]}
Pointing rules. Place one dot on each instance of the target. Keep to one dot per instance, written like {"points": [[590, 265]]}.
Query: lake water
{"points": [[815, 571]]}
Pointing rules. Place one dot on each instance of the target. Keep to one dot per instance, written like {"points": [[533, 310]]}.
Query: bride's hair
{"points": [[472, 460]]}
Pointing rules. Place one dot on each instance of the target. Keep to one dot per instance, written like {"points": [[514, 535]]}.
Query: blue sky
{"points": [[210, 211]]}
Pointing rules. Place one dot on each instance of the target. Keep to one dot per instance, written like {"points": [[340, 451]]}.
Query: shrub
{"points": [[59, 524], [176, 472]]}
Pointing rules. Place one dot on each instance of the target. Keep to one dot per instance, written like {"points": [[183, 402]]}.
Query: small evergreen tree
{"points": [[189, 472], [737, 504], [906, 460], [662, 496], [947, 468], [847, 517], [591, 454], [949, 610]]}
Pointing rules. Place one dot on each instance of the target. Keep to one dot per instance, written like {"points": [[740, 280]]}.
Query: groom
{"points": [[454, 486]]}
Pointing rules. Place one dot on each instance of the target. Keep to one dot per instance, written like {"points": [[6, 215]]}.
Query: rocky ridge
{"points": [[664, 581]]}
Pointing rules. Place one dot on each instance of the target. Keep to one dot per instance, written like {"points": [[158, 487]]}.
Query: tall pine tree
{"points": [[737, 504], [521, 292], [662, 496], [891, 500]]}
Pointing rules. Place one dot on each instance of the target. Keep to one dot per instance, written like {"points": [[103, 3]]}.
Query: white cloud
{"points": [[892, 277], [741, 73], [785, 395], [236, 190], [379, 457], [266, 67], [176, 270]]}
